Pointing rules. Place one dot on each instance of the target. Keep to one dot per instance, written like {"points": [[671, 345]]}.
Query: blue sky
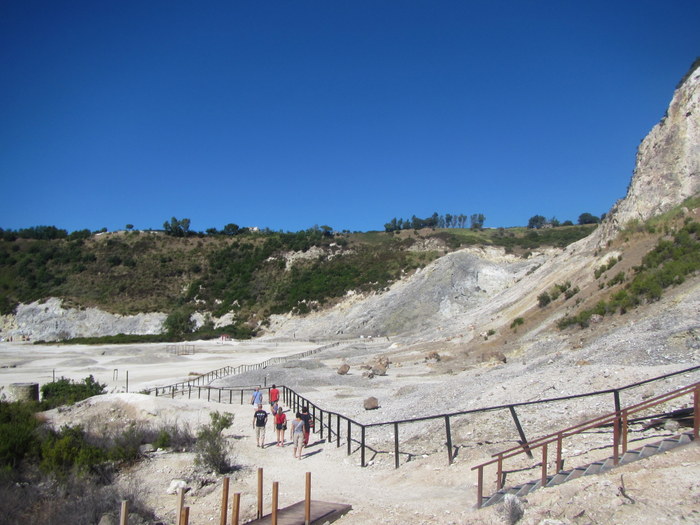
{"points": [[288, 114]]}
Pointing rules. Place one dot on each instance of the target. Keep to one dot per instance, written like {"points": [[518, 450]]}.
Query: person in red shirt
{"points": [[274, 396], [280, 426]]}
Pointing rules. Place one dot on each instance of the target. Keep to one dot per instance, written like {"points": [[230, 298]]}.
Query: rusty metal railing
{"points": [[618, 419]]}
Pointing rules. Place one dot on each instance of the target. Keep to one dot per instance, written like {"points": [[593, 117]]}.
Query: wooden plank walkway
{"points": [[321, 512]]}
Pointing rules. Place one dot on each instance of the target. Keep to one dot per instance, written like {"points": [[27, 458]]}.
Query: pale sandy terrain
{"points": [[665, 488]]}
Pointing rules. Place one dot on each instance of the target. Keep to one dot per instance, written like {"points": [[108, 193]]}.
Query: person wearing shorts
{"points": [[280, 426]]}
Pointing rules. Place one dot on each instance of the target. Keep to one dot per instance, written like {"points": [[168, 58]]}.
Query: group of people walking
{"points": [[299, 427]]}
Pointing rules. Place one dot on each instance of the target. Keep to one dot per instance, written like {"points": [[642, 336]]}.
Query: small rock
{"points": [[176, 485], [371, 403], [344, 369]]}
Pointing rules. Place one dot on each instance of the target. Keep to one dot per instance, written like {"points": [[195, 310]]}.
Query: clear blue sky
{"points": [[286, 114]]}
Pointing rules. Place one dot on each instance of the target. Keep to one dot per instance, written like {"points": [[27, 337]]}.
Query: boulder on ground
{"points": [[344, 369], [176, 485], [371, 403]]}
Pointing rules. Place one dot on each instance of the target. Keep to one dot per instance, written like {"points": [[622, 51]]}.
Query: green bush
{"points": [[68, 450], [211, 444], [18, 433], [66, 392], [543, 299]]}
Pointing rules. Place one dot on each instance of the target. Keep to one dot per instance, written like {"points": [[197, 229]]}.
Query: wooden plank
{"points": [[321, 512]]}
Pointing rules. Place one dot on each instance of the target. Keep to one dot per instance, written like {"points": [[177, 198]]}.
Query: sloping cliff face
{"points": [[667, 170]]}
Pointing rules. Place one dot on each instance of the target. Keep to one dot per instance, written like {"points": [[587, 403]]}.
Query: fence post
{"points": [[307, 500], [696, 418], [349, 437], [320, 420], [236, 510], [124, 515], [480, 487], [560, 463], [396, 445], [449, 440], [224, 502], [180, 504], [260, 492], [275, 501], [362, 455], [544, 466], [337, 421], [523, 439]]}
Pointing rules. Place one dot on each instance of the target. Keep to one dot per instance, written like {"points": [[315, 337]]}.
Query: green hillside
{"points": [[245, 272]]}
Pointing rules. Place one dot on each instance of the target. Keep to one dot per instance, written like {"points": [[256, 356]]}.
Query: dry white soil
{"points": [[425, 489]]}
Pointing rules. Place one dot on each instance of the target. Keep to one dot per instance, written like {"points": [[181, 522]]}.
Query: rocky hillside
{"points": [[467, 295]]}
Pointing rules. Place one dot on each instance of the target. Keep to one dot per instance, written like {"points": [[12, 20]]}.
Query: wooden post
{"points": [[696, 416], [560, 464], [275, 501], [449, 440], [307, 500], [180, 504], [236, 510], [260, 492], [480, 487], [544, 466], [127, 381], [185, 518], [396, 445], [224, 502], [124, 516]]}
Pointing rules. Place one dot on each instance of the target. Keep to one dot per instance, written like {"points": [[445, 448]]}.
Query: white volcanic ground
{"points": [[664, 489]]}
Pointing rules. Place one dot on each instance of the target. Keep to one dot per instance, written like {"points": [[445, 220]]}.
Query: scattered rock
{"points": [[371, 403], [344, 369], [176, 485]]}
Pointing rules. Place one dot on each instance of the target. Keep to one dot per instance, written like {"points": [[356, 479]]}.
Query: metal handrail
{"points": [[619, 419]]}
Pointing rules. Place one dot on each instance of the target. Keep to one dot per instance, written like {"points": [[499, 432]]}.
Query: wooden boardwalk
{"points": [[321, 512]]}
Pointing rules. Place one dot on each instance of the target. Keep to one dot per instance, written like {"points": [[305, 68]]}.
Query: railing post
{"points": [[320, 420], [499, 473], [559, 466], [616, 439], [696, 415], [479, 487], [396, 445], [362, 454], [349, 437], [449, 440], [330, 434], [544, 466], [523, 439], [337, 425], [624, 431]]}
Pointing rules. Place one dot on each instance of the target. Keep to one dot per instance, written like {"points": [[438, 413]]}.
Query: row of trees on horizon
{"points": [[181, 227]]}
